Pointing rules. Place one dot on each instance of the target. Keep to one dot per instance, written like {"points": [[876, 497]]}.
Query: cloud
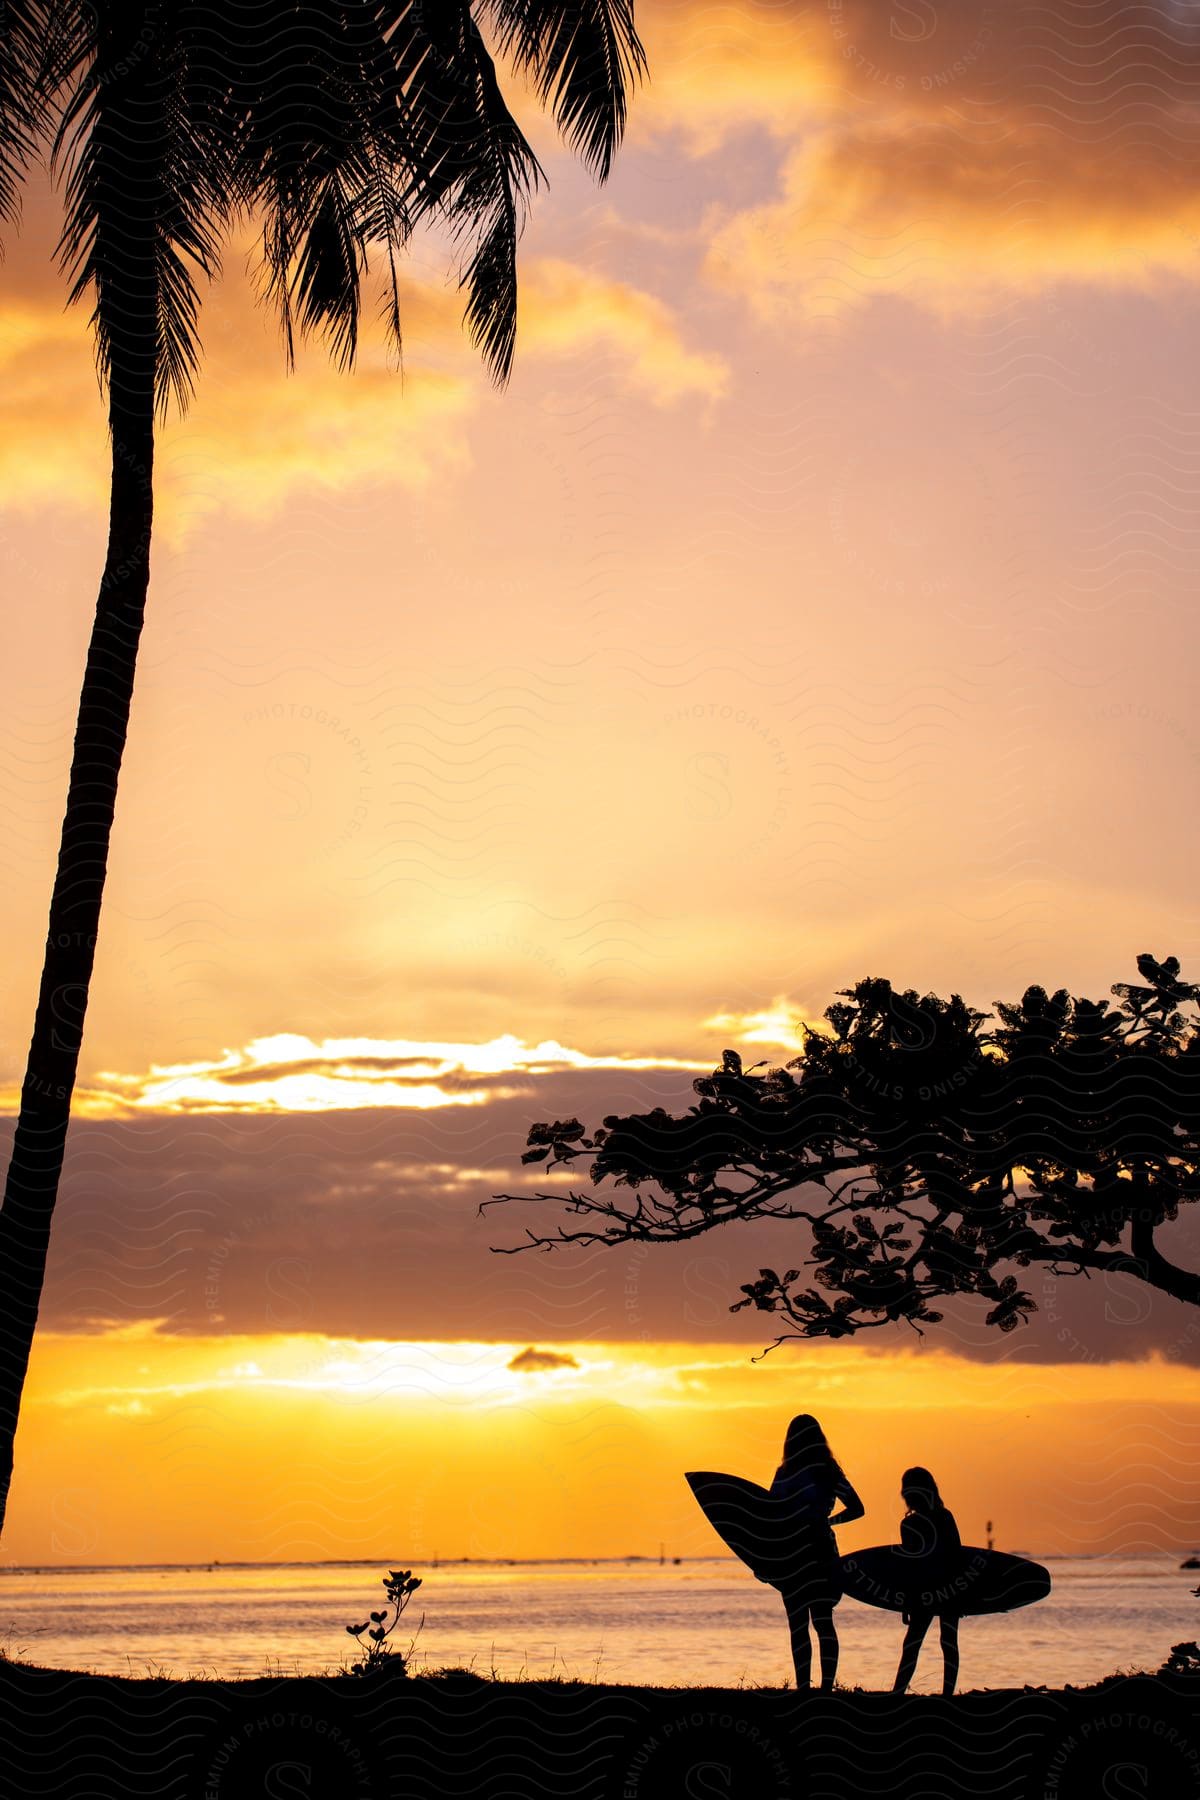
{"points": [[365, 1225], [716, 70], [948, 155], [47, 395], [253, 436], [256, 436], [569, 311], [532, 1362], [950, 222], [289, 1073]]}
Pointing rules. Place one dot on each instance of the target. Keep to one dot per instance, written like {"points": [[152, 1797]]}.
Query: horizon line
{"points": [[441, 1562]]}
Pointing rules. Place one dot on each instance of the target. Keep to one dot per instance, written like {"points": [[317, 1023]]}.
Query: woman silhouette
{"points": [[809, 1480], [929, 1534]]}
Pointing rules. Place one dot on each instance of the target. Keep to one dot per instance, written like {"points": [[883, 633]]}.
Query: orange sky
{"points": [[300, 1447], [817, 602]]}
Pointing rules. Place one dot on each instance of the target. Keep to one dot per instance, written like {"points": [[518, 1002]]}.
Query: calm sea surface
{"points": [[701, 1621]]}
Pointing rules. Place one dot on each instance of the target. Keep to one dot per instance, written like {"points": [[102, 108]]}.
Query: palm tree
{"points": [[338, 128]]}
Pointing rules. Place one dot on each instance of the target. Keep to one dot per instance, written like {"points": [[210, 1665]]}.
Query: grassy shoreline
{"points": [[454, 1731]]}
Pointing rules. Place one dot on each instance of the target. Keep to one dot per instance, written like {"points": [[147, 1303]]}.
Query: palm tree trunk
{"points": [[38, 1145]]}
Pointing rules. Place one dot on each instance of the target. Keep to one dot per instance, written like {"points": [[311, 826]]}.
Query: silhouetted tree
{"points": [[338, 127], [929, 1151]]}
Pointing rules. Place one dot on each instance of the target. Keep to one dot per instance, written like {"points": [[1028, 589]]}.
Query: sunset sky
{"points": [[818, 601]]}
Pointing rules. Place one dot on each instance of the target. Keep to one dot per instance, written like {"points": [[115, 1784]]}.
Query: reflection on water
{"points": [[702, 1621]]}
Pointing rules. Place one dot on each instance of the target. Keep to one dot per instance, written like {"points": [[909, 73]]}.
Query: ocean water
{"points": [[702, 1621]]}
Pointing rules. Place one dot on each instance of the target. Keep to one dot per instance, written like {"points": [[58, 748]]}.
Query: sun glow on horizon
{"points": [[782, 1024], [279, 1447]]}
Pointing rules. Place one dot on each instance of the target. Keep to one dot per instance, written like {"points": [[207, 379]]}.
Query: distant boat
{"points": [[1192, 1562]]}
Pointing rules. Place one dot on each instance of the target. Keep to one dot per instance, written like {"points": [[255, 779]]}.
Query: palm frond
{"points": [[582, 59], [479, 169], [321, 155], [24, 37], [385, 219], [327, 282], [338, 125], [489, 201], [143, 216]]}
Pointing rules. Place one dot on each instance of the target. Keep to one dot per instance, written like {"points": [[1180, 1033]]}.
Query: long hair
{"points": [[919, 1484], [805, 1448]]}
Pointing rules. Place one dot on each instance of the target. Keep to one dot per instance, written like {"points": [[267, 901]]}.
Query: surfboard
{"points": [[765, 1533], [976, 1581], [762, 1529]]}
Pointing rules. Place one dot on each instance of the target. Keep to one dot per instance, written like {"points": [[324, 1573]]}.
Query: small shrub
{"points": [[373, 1634]]}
